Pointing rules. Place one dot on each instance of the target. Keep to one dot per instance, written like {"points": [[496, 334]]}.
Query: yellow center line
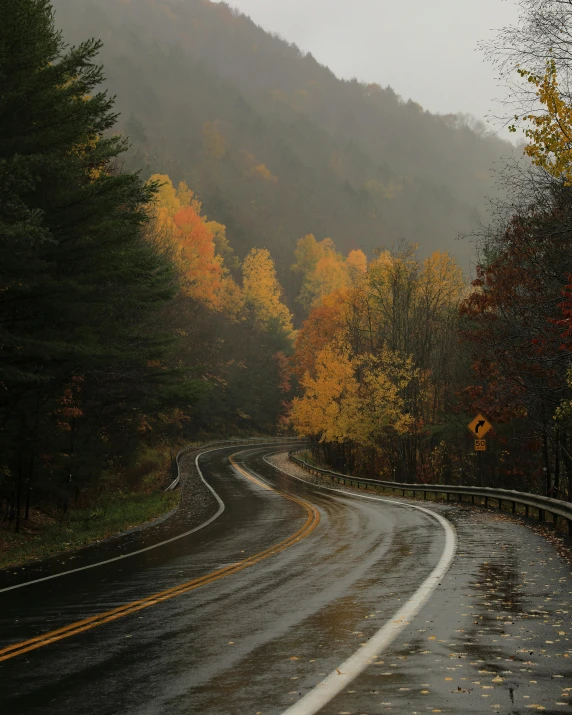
{"points": [[312, 520]]}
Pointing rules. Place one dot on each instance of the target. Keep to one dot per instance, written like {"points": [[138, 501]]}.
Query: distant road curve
{"points": [[135, 542], [286, 573]]}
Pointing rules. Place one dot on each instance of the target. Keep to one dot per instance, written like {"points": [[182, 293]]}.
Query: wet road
{"points": [[256, 640]]}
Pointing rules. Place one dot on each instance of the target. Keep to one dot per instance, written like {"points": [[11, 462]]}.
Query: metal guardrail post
{"points": [[542, 505]]}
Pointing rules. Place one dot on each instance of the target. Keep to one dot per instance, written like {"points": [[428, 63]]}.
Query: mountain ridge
{"points": [[273, 142]]}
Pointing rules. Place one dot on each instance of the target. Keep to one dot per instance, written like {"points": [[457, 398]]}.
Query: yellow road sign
{"points": [[480, 426], [480, 445]]}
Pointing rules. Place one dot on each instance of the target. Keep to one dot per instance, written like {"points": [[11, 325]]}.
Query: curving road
{"points": [[300, 584]]}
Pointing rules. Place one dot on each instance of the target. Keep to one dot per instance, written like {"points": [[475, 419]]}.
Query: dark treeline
{"points": [[121, 326], [274, 144]]}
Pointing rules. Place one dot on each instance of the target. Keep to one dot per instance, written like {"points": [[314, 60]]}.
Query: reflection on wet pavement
{"points": [[496, 638], [230, 647]]}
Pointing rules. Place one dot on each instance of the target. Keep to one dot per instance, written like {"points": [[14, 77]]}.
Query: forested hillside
{"points": [[126, 322], [273, 143]]}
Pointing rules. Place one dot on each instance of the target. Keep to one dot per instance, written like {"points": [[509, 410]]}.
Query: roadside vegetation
{"points": [[394, 365], [116, 503], [43, 535]]}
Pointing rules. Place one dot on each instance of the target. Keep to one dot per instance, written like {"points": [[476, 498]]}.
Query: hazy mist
{"points": [[426, 51]]}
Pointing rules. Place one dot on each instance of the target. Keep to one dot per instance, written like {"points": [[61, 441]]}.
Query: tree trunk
{"points": [[545, 453], [19, 495], [567, 463], [557, 463]]}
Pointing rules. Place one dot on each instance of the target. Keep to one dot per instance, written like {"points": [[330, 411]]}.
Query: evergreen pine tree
{"points": [[79, 285]]}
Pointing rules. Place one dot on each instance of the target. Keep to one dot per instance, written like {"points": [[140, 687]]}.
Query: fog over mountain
{"points": [[428, 51], [274, 143]]}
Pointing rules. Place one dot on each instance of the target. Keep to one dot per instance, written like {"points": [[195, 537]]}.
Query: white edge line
{"points": [[340, 678], [153, 546], [139, 551]]}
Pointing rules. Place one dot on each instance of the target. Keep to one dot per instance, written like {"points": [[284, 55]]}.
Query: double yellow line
{"points": [[312, 520]]}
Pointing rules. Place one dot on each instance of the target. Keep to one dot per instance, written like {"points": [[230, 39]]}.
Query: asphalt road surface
{"points": [[269, 608]]}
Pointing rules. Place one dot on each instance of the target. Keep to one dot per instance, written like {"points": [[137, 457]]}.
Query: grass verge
{"points": [[44, 536]]}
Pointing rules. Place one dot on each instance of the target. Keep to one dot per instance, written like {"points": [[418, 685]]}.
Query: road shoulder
{"points": [[496, 636], [197, 504]]}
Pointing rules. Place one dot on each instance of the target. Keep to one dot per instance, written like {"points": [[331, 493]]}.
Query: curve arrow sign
{"points": [[480, 426]]}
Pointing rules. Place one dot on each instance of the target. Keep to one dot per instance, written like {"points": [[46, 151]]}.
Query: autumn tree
{"points": [[322, 409], [194, 244], [529, 55], [516, 314], [262, 291], [214, 141], [354, 402], [235, 338], [397, 322], [324, 323], [517, 334], [324, 270]]}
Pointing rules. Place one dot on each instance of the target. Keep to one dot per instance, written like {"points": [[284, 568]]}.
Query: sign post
{"points": [[479, 426]]}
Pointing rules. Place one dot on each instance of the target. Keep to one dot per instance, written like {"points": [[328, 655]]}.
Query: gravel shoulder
{"points": [[196, 505]]}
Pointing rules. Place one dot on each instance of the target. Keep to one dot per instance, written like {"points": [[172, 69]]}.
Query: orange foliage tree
{"points": [[180, 229], [324, 323]]}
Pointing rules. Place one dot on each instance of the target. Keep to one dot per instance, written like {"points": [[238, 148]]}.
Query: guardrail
{"points": [[221, 443], [542, 505]]}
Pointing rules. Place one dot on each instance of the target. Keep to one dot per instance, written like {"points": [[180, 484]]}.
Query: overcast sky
{"points": [[425, 49]]}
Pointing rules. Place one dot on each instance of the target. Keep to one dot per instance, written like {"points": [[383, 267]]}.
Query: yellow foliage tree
{"points": [[550, 133], [357, 399], [441, 283], [214, 141], [356, 263], [375, 358], [254, 168], [324, 269], [386, 378], [262, 291], [261, 171], [321, 412]]}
